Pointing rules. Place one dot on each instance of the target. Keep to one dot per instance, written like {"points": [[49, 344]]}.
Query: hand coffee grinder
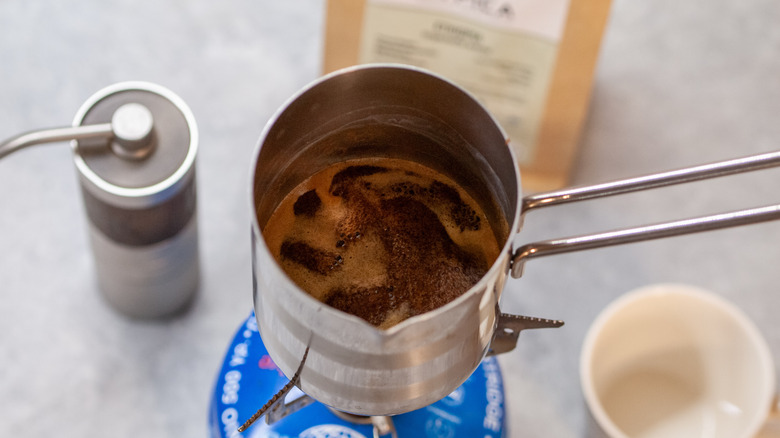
{"points": [[134, 145]]}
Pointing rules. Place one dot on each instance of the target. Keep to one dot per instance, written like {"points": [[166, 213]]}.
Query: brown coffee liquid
{"points": [[383, 239]]}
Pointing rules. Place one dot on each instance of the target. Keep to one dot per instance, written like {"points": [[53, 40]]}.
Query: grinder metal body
{"points": [[140, 201]]}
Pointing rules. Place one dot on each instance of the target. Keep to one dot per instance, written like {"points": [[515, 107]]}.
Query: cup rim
{"points": [[596, 329]]}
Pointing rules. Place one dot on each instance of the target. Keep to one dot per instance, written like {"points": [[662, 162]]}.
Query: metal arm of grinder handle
{"points": [[648, 232], [131, 128]]}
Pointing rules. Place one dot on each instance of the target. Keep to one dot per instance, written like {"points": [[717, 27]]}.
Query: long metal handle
{"points": [[103, 130], [648, 232], [679, 176]]}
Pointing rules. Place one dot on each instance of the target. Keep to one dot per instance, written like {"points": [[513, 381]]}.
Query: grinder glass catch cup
{"points": [[402, 112]]}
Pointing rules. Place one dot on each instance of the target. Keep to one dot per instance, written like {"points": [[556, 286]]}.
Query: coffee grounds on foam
{"points": [[307, 204], [313, 259], [404, 213]]}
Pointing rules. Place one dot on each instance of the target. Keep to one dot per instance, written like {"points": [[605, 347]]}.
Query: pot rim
{"points": [[501, 262]]}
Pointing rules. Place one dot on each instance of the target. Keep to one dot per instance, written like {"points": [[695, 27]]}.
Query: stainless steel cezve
{"points": [[405, 112]]}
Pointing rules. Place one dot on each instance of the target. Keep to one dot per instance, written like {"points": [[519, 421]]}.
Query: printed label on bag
{"points": [[501, 51]]}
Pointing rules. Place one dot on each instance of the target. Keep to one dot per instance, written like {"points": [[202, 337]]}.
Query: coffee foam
{"points": [[383, 239]]}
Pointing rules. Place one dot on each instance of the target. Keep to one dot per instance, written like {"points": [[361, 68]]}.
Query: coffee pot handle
{"points": [[647, 232]]}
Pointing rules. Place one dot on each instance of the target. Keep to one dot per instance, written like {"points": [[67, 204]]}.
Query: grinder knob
{"points": [[132, 124]]}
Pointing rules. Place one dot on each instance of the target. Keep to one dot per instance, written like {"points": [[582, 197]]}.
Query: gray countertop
{"points": [[677, 83]]}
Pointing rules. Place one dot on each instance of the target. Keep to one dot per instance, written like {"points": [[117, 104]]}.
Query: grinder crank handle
{"points": [[53, 135], [130, 126], [648, 232]]}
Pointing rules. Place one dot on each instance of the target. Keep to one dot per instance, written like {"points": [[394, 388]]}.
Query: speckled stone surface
{"points": [[677, 83]]}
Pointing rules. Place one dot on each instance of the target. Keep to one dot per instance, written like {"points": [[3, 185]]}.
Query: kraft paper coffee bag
{"points": [[530, 62]]}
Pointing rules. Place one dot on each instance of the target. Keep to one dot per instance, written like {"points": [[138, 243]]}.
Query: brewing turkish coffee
{"points": [[383, 239]]}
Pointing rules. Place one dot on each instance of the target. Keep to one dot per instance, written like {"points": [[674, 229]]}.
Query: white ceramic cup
{"points": [[672, 360]]}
